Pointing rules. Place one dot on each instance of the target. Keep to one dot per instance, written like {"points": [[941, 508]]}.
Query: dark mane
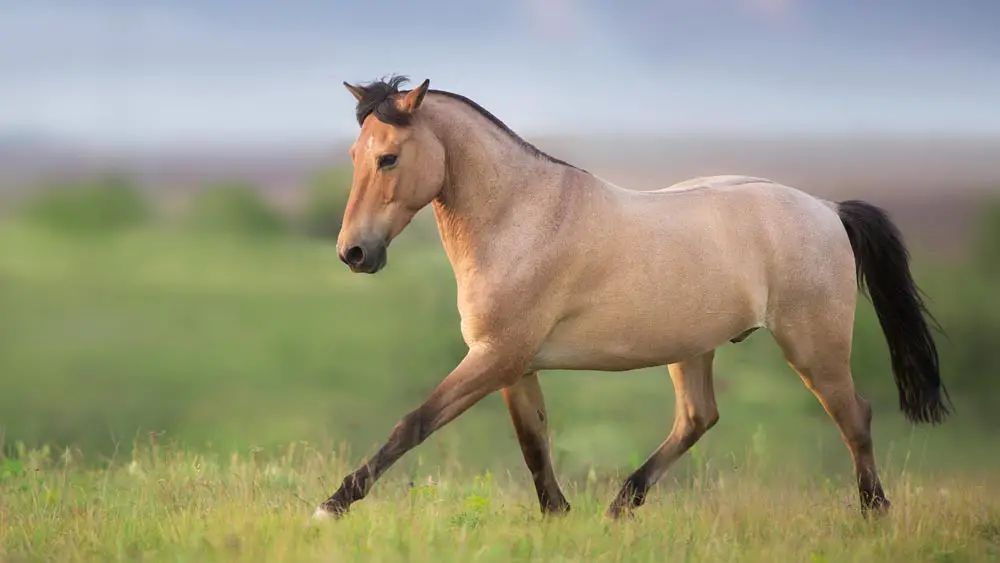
{"points": [[378, 101]]}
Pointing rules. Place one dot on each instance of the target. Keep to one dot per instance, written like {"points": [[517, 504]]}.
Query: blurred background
{"points": [[173, 172]]}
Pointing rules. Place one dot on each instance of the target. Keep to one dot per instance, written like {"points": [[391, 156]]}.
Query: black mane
{"points": [[378, 101]]}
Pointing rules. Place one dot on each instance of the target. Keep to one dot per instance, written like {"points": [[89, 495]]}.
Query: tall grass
{"points": [[163, 504]]}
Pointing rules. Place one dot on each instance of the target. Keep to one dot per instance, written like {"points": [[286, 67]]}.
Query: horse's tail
{"points": [[882, 263]]}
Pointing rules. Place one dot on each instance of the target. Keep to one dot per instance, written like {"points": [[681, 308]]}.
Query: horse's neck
{"points": [[479, 205], [492, 185]]}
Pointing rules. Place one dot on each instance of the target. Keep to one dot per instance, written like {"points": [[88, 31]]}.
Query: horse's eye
{"points": [[387, 161]]}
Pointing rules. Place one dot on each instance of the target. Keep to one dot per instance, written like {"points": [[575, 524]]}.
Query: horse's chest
{"points": [[494, 307], [485, 317]]}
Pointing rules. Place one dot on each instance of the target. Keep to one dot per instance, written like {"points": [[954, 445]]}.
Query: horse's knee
{"points": [[411, 430]]}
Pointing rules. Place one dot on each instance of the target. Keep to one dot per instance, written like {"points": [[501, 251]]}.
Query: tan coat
{"points": [[559, 269]]}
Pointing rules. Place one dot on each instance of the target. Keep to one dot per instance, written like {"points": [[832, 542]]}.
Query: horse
{"points": [[557, 268]]}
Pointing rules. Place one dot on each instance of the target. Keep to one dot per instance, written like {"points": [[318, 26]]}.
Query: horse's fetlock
{"points": [[352, 489], [635, 488]]}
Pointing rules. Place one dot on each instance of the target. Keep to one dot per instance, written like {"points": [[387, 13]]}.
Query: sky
{"points": [[156, 73]]}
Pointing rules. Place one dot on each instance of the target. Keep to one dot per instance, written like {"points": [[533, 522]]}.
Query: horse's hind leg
{"points": [[694, 415], [819, 349], [527, 411]]}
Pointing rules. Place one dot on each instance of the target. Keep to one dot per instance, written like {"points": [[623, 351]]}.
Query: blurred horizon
{"points": [[934, 187]]}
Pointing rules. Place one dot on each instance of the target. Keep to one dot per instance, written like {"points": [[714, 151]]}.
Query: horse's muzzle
{"points": [[364, 258]]}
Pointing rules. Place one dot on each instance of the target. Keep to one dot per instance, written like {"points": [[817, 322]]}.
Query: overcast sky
{"points": [[181, 72]]}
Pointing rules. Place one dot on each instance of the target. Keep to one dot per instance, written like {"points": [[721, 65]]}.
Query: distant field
{"points": [[934, 185], [239, 343]]}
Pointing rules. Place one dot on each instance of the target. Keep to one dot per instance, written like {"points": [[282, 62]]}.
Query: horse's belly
{"points": [[598, 356], [594, 341]]}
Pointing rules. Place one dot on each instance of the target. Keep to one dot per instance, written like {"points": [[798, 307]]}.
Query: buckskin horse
{"points": [[559, 269]]}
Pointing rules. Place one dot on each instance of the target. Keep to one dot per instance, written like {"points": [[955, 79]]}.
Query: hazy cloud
{"points": [[183, 71], [558, 19], [776, 11]]}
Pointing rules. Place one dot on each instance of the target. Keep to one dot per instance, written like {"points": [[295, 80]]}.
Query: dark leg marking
{"points": [[695, 413], [480, 373], [526, 405]]}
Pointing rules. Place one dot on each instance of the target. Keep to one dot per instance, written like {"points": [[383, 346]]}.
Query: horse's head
{"points": [[398, 169]]}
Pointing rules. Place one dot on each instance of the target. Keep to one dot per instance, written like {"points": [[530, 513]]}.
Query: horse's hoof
{"points": [[323, 515]]}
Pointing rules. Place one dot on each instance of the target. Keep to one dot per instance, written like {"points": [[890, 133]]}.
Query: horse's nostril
{"points": [[354, 256]]}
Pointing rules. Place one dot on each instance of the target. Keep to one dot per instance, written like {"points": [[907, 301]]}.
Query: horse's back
{"points": [[696, 264], [793, 230], [718, 181]]}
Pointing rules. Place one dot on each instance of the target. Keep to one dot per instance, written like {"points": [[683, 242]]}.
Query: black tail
{"points": [[882, 262]]}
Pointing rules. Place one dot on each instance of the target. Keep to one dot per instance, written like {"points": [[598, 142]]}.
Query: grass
{"points": [[169, 504]]}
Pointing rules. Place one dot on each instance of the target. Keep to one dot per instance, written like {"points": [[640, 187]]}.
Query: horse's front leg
{"points": [[481, 372]]}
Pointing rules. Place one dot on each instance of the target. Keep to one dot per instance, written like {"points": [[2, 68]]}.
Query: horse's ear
{"points": [[411, 101], [357, 91]]}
